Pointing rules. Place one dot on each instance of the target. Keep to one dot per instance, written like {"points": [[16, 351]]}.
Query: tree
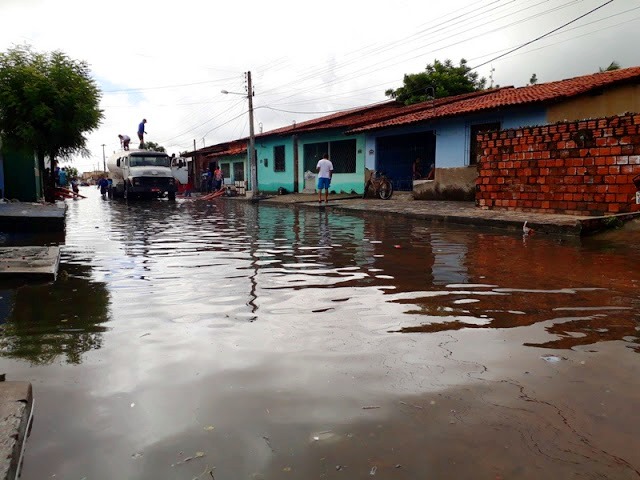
{"points": [[612, 66], [533, 80], [154, 146], [440, 79], [48, 102]]}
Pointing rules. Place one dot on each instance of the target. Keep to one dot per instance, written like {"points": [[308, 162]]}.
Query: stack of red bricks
{"points": [[579, 168]]}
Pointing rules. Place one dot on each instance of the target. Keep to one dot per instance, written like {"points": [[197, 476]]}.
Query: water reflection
{"points": [[62, 321], [229, 262]]}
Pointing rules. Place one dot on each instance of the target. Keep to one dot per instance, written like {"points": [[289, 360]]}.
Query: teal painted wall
{"points": [[231, 160], [341, 182], [269, 180]]}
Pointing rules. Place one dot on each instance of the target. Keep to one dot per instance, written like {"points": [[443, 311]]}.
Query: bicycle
{"points": [[378, 185]]}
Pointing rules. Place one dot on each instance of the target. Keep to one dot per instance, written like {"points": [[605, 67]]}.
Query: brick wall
{"points": [[580, 168]]}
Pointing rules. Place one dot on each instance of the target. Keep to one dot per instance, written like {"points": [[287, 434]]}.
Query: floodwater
{"points": [[232, 341]]}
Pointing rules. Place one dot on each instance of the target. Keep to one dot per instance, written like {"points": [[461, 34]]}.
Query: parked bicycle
{"points": [[378, 185]]}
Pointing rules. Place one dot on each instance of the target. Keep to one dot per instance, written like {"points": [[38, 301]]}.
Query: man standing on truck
{"points": [[141, 132]]}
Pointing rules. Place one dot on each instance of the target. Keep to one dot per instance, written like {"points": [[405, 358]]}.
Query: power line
{"points": [[543, 35]]}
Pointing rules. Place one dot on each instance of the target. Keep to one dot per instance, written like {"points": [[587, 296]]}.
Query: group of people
{"points": [[214, 179], [125, 139], [62, 180]]}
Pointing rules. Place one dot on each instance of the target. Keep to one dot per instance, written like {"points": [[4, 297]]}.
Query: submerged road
{"points": [[234, 341]]}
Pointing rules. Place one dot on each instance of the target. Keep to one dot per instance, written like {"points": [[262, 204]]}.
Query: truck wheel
{"points": [[172, 196]]}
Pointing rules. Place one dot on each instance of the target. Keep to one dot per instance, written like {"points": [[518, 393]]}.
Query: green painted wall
{"points": [[268, 179], [341, 182], [22, 178], [231, 160]]}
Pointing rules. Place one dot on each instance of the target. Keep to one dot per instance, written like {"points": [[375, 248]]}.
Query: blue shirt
{"points": [[141, 128], [62, 178]]}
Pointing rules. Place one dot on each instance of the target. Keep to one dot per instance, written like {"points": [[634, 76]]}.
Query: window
{"points": [[342, 154], [475, 131], [149, 161], [278, 159], [226, 170], [238, 171]]}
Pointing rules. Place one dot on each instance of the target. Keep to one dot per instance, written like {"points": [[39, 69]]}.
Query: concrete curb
{"points": [[16, 416]]}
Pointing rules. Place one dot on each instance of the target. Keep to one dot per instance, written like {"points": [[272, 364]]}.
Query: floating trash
{"points": [[552, 358]]}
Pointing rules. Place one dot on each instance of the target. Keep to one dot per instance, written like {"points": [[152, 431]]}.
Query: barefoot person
{"points": [[325, 172]]}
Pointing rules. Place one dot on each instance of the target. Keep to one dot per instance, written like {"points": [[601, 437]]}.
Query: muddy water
{"points": [[263, 342]]}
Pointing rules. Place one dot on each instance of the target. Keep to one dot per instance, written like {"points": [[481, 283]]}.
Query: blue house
{"points": [[443, 133]]}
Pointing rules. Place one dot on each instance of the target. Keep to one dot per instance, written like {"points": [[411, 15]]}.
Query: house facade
{"points": [[442, 133], [450, 130]]}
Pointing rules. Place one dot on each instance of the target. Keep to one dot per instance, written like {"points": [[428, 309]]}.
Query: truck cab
{"points": [[141, 173]]}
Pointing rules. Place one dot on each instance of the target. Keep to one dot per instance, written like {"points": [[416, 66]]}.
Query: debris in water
{"points": [[133, 405], [209, 428], [373, 471], [398, 466], [397, 246], [370, 407], [412, 405], [136, 455], [552, 358], [266, 439], [286, 469], [188, 459], [144, 334]]}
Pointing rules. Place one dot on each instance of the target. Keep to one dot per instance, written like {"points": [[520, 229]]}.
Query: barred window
{"points": [[278, 159], [238, 171], [342, 154], [312, 153], [226, 170]]}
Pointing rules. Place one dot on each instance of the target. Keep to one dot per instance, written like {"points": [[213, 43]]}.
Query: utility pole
{"points": [[252, 142], [104, 159]]}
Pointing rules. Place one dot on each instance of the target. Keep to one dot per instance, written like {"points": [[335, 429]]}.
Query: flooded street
{"points": [[268, 342]]}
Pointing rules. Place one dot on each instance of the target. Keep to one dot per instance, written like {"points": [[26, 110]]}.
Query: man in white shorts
{"points": [[325, 172]]}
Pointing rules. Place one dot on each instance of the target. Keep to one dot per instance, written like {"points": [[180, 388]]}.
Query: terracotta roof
{"points": [[235, 148], [508, 96]]}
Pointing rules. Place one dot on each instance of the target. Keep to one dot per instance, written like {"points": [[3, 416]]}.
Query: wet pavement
{"points": [[229, 340]]}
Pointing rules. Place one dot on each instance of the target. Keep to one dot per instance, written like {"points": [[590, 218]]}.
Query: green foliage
{"points": [[612, 66], [440, 79], [72, 172], [154, 146], [48, 101]]}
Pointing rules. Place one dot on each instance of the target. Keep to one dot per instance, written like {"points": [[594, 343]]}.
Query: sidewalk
{"points": [[16, 409], [462, 213], [32, 217]]}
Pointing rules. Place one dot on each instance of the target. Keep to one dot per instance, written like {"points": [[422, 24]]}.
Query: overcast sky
{"points": [[168, 61]]}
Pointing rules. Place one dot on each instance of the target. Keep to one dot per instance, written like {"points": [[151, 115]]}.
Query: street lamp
{"points": [[252, 138]]}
